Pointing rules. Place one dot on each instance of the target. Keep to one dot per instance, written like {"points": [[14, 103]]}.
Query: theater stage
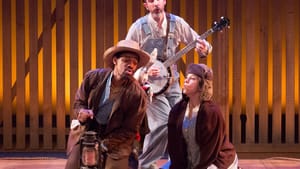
{"points": [[8, 161]]}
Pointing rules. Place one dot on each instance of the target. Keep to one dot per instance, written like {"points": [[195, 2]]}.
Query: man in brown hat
{"points": [[111, 103]]}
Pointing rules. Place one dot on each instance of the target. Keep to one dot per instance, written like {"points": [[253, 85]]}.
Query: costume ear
{"points": [[114, 60], [145, 5]]}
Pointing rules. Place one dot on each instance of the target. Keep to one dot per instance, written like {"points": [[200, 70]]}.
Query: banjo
{"points": [[161, 83]]}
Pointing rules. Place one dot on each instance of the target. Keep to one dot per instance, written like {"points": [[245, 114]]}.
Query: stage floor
{"points": [[58, 163]]}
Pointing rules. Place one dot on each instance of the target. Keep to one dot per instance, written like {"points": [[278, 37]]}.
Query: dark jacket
{"points": [[211, 137], [126, 116]]}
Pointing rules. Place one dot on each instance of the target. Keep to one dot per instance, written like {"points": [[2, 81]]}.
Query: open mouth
{"points": [[129, 71], [157, 11]]}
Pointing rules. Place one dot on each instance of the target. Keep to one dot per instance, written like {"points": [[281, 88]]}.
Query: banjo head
{"points": [[159, 83]]}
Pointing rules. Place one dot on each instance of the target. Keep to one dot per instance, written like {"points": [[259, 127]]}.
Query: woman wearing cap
{"points": [[196, 127], [112, 103]]}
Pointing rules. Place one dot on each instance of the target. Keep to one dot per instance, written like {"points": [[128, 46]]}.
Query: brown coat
{"points": [[125, 119], [211, 137]]}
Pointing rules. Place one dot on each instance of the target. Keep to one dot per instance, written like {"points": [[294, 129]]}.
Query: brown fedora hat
{"points": [[126, 46]]}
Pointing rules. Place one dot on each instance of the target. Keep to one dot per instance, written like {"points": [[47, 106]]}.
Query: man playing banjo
{"points": [[163, 31]]}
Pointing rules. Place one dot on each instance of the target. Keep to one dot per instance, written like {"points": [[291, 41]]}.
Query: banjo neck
{"points": [[186, 49]]}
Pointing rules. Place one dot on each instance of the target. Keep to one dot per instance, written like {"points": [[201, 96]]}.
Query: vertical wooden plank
{"points": [[93, 34], [115, 21], [1, 73], [189, 17], [73, 51], [175, 7], [133, 12], [7, 75], [290, 70], [129, 18], [20, 46], [277, 69], [181, 63], [201, 9], [250, 69], [220, 62], [47, 75], [225, 54], [60, 73], [236, 27], [243, 73], [108, 24], [100, 41], [136, 9], [122, 19], [263, 85], [86, 35], [33, 58], [297, 4]]}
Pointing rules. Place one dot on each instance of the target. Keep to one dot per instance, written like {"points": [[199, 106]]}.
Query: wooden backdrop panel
{"points": [[277, 70], [45, 120], [59, 115], [20, 70], [250, 43], [7, 111], [236, 29], [47, 46], [289, 111], [74, 53], [263, 107], [33, 78]]}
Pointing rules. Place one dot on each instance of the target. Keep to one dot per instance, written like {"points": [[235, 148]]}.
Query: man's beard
{"points": [[126, 79], [128, 73], [156, 14], [125, 76]]}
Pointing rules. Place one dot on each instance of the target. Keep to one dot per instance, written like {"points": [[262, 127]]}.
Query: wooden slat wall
{"points": [[277, 69], [60, 74], [297, 60], [219, 57], [263, 106], [33, 69], [7, 76], [290, 74], [86, 35], [74, 72], [47, 46], [236, 65], [250, 38], [20, 70], [48, 65]]}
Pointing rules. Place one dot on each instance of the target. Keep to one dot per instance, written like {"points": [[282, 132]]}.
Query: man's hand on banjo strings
{"points": [[142, 73], [202, 47]]}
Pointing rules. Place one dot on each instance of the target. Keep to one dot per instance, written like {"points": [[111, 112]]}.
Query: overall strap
{"points": [[167, 35], [172, 22], [145, 26], [170, 34]]}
